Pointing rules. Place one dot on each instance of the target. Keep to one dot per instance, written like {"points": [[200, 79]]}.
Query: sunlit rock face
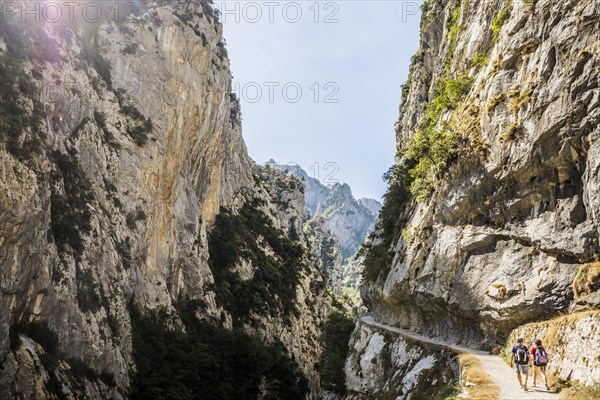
{"points": [[120, 146], [494, 210]]}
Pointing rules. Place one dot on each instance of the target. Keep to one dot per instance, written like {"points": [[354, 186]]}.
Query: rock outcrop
{"points": [[383, 364], [508, 222], [120, 149]]}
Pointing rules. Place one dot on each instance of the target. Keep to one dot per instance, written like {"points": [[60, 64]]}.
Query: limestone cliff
{"points": [[122, 167], [386, 365], [492, 211]]}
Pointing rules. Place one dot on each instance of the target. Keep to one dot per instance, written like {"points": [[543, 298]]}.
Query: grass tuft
{"points": [[587, 279], [481, 385]]}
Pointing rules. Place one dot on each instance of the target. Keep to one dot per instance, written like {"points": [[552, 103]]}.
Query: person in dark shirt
{"points": [[520, 361]]}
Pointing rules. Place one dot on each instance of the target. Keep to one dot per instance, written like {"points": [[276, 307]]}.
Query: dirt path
{"points": [[500, 373]]}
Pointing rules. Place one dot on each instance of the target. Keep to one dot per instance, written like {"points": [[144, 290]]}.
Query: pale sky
{"points": [[348, 59]]}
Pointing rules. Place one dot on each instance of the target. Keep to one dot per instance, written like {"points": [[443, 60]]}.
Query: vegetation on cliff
{"points": [[336, 335], [20, 124], [436, 144], [201, 359], [378, 257], [272, 288], [69, 211]]}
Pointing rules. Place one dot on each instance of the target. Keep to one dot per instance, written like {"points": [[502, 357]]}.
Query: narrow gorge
{"points": [[145, 255]]}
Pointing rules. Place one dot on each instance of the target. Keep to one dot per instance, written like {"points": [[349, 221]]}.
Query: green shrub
{"points": [[131, 48], [132, 112], [20, 128], [141, 215], [480, 60], [429, 6], [100, 118], [69, 212], [133, 217], [336, 335], [448, 392], [511, 132], [88, 291], [124, 250], [409, 234], [272, 290], [111, 189], [235, 113], [139, 133], [377, 261], [130, 220], [431, 150], [113, 324], [109, 138], [39, 332], [222, 49], [500, 19], [215, 362], [453, 32], [421, 162], [94, 58], [392, 220]]}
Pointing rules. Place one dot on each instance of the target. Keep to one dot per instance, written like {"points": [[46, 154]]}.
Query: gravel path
{"points": [[500, 373]]}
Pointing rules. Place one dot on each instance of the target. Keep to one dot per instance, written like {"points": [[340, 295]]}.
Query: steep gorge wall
{"points": [[510, 217], [109, 190], [492, 208]]}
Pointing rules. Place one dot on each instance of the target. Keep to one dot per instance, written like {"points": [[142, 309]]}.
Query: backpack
{"points": [[541, 358], [522, 355]]}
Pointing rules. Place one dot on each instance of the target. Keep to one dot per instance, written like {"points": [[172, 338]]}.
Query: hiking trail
{"points": [[501, 374]]}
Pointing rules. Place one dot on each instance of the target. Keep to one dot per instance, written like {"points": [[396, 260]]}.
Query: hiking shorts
{"points": [[522, 368]]}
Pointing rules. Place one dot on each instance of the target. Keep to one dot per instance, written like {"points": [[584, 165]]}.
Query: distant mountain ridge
{"points": [[348, 219]]}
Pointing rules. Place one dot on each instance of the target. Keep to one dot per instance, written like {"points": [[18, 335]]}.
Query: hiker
{"points": [[540, 360], [520, 361]]}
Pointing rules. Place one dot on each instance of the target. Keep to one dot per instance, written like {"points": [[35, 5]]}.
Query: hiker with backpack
{"points": [[520, 361], [540, 361]]}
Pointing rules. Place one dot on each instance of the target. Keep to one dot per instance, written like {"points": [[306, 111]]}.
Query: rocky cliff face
{"points": [[315, 192], [492, 208], [386, 365], [120, 150], [348, 219]]}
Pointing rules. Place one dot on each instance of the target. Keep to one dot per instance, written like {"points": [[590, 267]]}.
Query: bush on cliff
{"points": [[336, 335], [272, 288], [207, 361], [435, 145]]}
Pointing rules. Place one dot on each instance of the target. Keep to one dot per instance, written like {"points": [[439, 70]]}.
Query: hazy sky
{"points": [[320, 82]]}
